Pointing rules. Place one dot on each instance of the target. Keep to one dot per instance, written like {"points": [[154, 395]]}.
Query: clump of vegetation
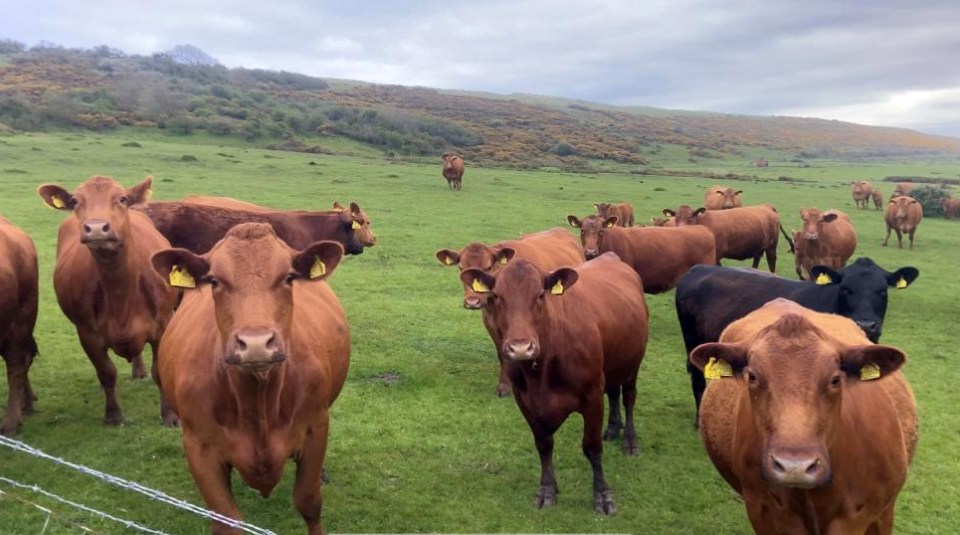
{"points": [[133, 144], [188, 158], [930, 198]]}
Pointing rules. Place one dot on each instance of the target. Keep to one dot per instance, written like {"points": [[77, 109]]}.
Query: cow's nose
{"points": [[871, 329], [472, 302], [258, 347], [96, 229], [591, 253], [804, 470], [522, 349], [811, 236]]}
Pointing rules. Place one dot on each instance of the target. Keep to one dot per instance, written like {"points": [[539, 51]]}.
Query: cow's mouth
{"points": [[101, 244], [256, 364]]}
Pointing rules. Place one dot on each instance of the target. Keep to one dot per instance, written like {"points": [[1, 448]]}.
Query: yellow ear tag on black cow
{"points": [[869, 372], [57, 202], [716, 369], [318, 269], [181, 278], [479, 287], [902, 283], [823, 278], [355, 225], [557, 288]]}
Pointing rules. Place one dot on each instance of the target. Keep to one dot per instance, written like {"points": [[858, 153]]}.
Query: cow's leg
{"points": [[899, 237], [503, 383], [543, 439], [698, 383], [772, 259], [614, 424], [167, 415], [756, 260], [592, 445], [888, 236], [884, 524], [307, 493], [96, 349], [139, 371], [910, 234], [17, 367], [213, 479], [630, 433]]}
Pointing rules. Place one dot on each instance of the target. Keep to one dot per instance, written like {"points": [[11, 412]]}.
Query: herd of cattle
{"points": [[210, 284]]}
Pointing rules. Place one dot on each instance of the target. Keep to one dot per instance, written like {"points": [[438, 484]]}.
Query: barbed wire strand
{"points": [[136, 487], [60, 499]]}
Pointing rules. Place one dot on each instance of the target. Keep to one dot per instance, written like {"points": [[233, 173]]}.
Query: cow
{"points": [[660, 255], [902, 189], [548, 250], [827, 239], [18, 316], [877, 199], [453, 170], [903, 215], [951, 208], [862, 192], [198, 227], [622, 211], [709, 298], [722, 198], [805, 418], [663, 221], [567, 336], [254, 357], [104, 283], [361, 222], [740, 233]]}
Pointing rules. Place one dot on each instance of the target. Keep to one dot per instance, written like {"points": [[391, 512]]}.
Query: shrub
{"points": [[564, 149], [930, 198]]}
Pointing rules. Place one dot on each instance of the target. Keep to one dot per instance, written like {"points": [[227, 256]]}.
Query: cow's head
{"points": [[101, 207], [360, 223], [685, 215], [663, 222], [592, 229], [861, 291], [476, 256], [813, 221], [901, 206], [731, 198], [250, 275], [861, 186], [517, 300], [795, 373]]}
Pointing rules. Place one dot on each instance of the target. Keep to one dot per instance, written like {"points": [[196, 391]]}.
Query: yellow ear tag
{"points": [[181, 278], [447, 261], [479, 287], [57, 202], [318, 269], [869, 372], [902, 283], [823, 278], [503, 260], [557, 288], [716, 369], [355, 225], [609, 225]]}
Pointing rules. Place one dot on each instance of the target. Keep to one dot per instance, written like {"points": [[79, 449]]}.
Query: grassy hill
{"points": [[103, 89]]}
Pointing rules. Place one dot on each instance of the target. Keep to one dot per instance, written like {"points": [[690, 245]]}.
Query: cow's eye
{"points": [[123, 200], [836, 381], [290, 278], [751, 378], [213, 282]]}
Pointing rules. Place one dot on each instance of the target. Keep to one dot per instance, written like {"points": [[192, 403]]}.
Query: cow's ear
{"points": [[718, 360], [902, 277], [337, 207], [803, 214], [913, 201], [140, 193], [611, 222], [478, 280], [180, 268], [823, 275], [56, 197], [574, 221], [505, 255], [828, 218], [448, 257], [871, 361], [354, 208], [318, 260], [699, 212], [738, 192], [669, 213], [558, 282]]}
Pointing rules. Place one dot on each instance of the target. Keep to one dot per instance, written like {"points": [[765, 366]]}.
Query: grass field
{"points": [[419, 442]]}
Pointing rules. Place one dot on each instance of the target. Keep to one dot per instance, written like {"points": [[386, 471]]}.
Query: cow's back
{"points": [[549, 249], [741, 232], [661, 255]]}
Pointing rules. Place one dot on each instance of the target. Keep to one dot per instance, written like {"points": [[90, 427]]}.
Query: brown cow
{"points": [[877, 199], [903, 215], [722, 198], [827, 239], [740, 233], [568, 336], [660, 255], [548, 250], [252, 361], [951, 208], [622, 211], [862, 192], [104, 282], [18, 315], [663, 221], [453, 170], [198, 227], [812, 424], [361, 222], [903, 189]]}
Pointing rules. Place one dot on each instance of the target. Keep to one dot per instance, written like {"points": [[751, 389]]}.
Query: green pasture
{"points": [[419, 442]]}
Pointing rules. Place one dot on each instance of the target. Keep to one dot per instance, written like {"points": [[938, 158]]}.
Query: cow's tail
{"points": [[787, 236]]}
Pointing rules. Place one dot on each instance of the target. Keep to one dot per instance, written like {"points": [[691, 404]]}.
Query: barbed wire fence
{"points": [[150, 493]]}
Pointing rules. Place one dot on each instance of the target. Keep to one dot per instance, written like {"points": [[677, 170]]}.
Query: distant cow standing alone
{"points": [[903, 215], [862, 192], [453, 170]]}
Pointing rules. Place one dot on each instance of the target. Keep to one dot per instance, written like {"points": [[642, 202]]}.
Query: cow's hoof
{"points": [[603, 503], [324, 478], [630, 447], [612, 432], [547, 497], [503, 390], [170, 420], [8, 429], [113, 418]]}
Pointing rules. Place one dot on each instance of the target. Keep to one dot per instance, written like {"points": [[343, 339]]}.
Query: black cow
{"points": [[709, 298]]}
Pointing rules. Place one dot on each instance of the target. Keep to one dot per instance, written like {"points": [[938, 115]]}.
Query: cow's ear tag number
{"points": [[716, 369]]}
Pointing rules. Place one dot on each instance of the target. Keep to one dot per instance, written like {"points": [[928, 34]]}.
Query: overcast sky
{"points": [[880, 62]]}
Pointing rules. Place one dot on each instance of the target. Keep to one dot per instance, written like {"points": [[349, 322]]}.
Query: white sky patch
{"points": [[338, 45], [916, 108]]}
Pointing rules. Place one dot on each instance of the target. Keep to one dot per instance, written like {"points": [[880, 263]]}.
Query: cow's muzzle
{"points": [[799, 468], [98, 234], [521, 349], [255, 350]]}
